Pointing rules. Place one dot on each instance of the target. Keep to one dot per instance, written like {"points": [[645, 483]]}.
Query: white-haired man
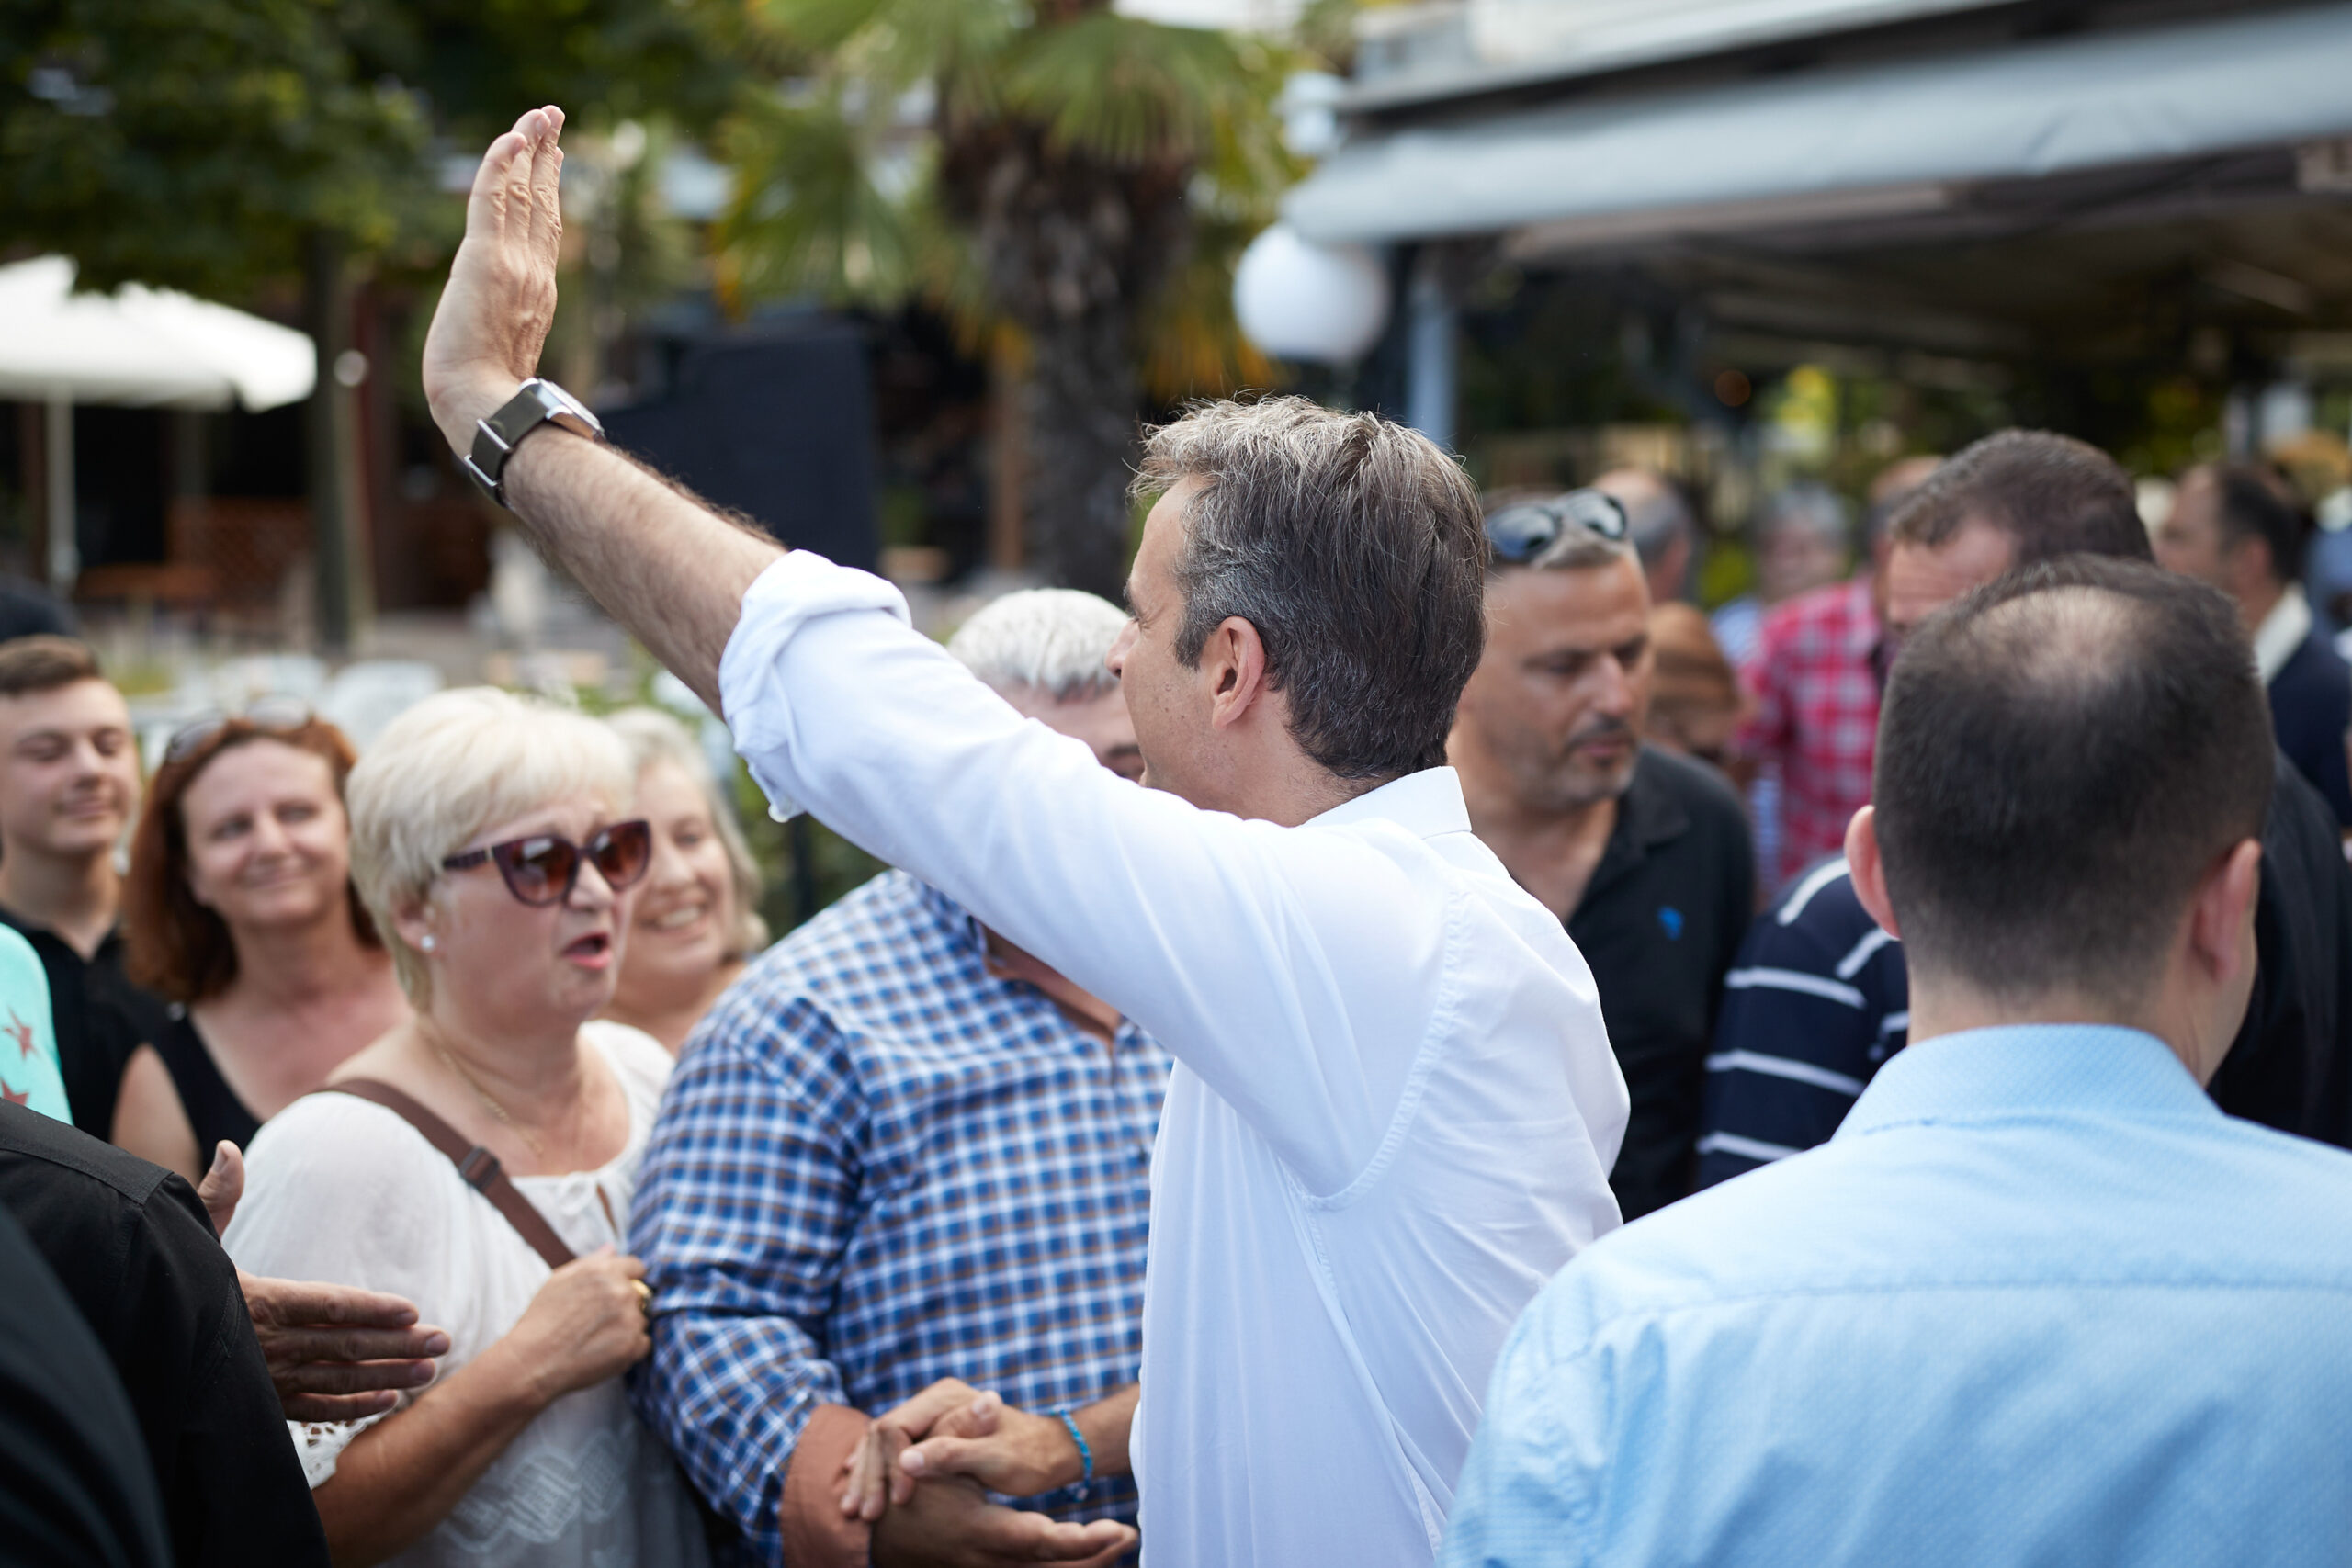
{"points": [[903, 1151], [1395, 1108]]}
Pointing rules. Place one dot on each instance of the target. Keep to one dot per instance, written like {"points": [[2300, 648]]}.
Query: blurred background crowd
{"points": [[898, 280], [1723, 304]]}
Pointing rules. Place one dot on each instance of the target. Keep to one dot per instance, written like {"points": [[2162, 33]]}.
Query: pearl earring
{"points": [[429, 943]]}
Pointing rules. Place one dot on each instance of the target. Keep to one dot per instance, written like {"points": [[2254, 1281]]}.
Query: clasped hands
{"points": [[923, 1471]]}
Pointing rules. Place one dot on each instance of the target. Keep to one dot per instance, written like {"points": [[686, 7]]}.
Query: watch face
{"points": [[561, 403]]}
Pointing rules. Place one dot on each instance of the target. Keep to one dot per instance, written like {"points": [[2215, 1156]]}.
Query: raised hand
{"points": [[494, 313]]}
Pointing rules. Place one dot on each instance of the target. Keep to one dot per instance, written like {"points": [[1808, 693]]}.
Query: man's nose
{"points": [[1613, 687], [1117, 658]]}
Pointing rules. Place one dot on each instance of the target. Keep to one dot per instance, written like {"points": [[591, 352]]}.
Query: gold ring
{"points": [[644, 1296]]}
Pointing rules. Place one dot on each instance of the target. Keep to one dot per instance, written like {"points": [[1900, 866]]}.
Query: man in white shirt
{"points": [[1395, 1107]]}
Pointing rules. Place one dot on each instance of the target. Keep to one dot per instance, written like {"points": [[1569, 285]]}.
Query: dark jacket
{"points": [[2310, 708], [135, 1251]]}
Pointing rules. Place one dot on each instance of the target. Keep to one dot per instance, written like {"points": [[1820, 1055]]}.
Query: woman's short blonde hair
{"points": [[653, 737], [448, 768]]}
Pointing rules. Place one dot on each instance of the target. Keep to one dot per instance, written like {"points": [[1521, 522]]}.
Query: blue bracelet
{"points": [[1085, 1454]]}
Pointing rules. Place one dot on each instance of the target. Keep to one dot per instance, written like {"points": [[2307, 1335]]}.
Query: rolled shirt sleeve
{"points": [[1186, 920]]}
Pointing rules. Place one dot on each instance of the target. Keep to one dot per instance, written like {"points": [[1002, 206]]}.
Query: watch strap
{"points": [[538, 402]]}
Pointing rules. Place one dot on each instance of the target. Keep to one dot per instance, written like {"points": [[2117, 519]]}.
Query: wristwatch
{"points": [[539, 402]]}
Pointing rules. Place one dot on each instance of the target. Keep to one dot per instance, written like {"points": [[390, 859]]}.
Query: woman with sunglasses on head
{"points": [[239, 910], [696, 918], [479, 1159]]}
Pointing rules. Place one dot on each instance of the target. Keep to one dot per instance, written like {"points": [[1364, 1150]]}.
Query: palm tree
{"points": [[1068, 184]]}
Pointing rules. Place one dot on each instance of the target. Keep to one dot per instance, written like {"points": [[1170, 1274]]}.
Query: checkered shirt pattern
{"points": [[1816, 721], [879, 1165]]}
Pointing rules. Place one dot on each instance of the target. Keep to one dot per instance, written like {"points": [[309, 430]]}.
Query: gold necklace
{"points": [[483, 1095]]}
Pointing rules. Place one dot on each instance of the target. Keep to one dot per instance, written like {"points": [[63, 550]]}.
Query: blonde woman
{"points": [[698, 913], [495, 846]]}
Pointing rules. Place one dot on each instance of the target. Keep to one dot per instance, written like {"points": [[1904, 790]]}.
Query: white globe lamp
{"points": [[1297, 299]]}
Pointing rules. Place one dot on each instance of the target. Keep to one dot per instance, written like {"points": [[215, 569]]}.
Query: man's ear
{"points": [[1868, 871], [2220, 913], [1233, 665]]}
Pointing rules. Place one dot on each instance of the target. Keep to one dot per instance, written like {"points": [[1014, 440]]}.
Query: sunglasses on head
{"points": [[269, 715], [544, 868], [1525, 529]]}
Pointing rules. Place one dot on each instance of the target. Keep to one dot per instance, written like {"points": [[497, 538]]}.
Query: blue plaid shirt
{"points": [[879, 1165]]}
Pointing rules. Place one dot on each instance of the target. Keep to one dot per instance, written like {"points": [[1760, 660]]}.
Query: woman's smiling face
{"points": [[683, 927]]}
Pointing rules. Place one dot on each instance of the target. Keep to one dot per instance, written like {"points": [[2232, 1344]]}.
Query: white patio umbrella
{"points": [[140, 347]]}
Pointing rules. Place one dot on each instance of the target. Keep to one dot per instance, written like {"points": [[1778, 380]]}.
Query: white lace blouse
{"points": [[343, 1190]]}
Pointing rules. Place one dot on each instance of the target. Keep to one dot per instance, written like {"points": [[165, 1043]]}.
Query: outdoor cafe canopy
{"points": [[139, 347]]}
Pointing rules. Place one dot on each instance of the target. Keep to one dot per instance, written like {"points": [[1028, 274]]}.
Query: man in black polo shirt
{"points": [[1645, 854], [69, 786], [136, 1254]]}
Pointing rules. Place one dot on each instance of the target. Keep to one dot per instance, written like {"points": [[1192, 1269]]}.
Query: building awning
{"points": [[1848, 142], [146, 347]]}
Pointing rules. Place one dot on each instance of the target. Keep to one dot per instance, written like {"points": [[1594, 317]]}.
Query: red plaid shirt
{"points": [[1815, 683]]}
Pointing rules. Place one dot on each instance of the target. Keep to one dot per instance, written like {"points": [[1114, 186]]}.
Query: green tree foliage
{"points": [[196, 143], [1077, 177], [202, 144]]}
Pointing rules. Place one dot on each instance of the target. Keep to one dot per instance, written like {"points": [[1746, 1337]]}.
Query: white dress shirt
{"points": [[1395, 1107]]}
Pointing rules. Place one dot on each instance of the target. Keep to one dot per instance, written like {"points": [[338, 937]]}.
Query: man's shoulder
{"points": [[2300, 831], [94, 1211], [30, 1139], [2314, 668], [1932, 1210], [860, 961], [1701, 791], [890, 918], [1819, 904], [1835, 606]]}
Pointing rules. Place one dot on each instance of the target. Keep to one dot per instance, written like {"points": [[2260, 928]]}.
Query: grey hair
{"points": [[1657, 521], [450, 766], [1812, 507], [1353, 547], [1053, 641], [652, 736]]}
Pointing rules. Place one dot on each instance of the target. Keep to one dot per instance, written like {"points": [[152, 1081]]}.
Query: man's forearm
{"points": [[1106, 1425], [668, 569]]}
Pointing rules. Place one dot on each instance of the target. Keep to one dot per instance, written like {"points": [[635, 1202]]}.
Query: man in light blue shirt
{"points": [[2037, 1301]]}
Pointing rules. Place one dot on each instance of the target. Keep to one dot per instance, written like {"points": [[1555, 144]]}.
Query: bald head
{"points": [[2063, 755], [1658, 521]]}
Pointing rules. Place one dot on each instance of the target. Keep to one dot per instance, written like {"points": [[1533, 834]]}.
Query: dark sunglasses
{"points": [[544, 868], [1525, 529], [270, 716]]}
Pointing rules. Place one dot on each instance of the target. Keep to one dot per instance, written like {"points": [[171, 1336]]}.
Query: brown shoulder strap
{"points": [[477, 1165]]}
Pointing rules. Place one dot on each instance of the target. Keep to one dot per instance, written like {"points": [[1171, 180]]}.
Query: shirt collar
{"points": [[2030, 1070], [2282, 631], [963, 927], [1426, 804]]}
